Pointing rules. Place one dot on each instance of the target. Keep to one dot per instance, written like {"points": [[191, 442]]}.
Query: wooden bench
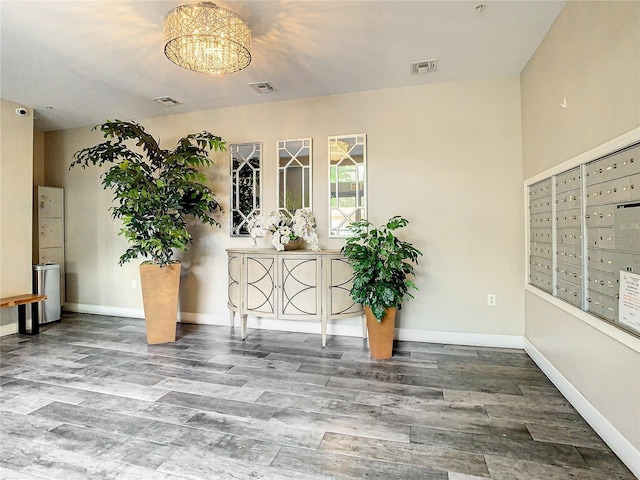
{"points": [[21, 301]]}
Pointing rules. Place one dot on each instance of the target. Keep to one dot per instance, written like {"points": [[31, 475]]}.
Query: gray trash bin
{"points": [[46, 281]]}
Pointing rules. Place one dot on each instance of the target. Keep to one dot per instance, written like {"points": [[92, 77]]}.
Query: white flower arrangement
{"points": [[284, 228]]}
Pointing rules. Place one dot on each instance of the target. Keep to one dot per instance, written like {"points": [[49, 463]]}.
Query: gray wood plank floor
{"points": [[88, 399]]}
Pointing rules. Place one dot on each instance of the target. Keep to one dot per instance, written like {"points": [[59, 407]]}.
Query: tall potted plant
{"points": [[155, 191], [382, 265]]}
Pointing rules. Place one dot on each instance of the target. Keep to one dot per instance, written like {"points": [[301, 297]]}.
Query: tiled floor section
{"points": [[88, 399]]}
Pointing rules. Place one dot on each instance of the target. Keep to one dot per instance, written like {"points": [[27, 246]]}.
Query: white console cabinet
{"points": [[290, 285]]}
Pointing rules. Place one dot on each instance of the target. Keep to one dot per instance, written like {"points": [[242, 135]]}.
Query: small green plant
{"points": [[156, 190], [382, 264]]}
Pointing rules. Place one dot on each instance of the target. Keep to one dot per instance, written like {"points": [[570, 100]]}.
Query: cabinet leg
{"points": [[323, 330], [243, 319], [232, 316], [364, 326]]}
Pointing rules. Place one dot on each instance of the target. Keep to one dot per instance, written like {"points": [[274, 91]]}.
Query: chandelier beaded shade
{"points": [[207, 38]]}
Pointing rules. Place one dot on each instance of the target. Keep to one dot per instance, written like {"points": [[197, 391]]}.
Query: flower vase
{"points": [[294, 244]]}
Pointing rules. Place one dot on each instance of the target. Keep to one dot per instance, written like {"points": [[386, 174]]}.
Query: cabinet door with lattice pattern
{"points": [[260, 294], [339, 281], [300, 285], [234, 284]]}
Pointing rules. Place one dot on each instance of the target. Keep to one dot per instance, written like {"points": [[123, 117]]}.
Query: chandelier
{"points": [[207, 38]]}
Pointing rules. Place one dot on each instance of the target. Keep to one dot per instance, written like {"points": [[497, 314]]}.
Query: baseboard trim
{"points": [[460, 338], [351, 327], [103, 310], [622, 447], [347, 327], [339, 327]]}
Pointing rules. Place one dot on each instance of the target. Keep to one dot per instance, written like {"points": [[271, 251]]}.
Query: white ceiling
{"points": [[79, 63]]}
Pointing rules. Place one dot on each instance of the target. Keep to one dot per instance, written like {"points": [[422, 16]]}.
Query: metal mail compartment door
{"points": [[627, 229]]}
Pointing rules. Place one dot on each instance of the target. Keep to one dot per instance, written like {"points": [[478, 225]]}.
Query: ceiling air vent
{"points": [[167, 101], [424, 66], [262, 87]]}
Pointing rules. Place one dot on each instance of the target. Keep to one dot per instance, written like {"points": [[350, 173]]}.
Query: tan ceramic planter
{"points": [[381, 333], [160, 286]]}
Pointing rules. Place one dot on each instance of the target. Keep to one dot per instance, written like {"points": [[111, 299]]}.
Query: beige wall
{"points": [[38, 179], [16, 172], [38, 158], [591, 56], [447, 157]]}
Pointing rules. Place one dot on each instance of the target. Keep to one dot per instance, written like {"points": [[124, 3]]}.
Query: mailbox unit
{"points": [[584, 229], [540, 235], [568, 248]]}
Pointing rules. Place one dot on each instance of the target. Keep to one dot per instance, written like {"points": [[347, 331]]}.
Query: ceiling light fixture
{"points": [[207, 38]]}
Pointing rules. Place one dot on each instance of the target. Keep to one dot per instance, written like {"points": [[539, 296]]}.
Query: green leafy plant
{"points": [[154, 190], [382, 264]]}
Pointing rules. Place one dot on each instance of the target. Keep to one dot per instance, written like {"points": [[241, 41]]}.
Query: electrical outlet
{"points": [[134, 284], [491, 299]]}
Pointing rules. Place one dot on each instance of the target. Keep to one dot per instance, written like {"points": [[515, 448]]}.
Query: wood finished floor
{"points": [[88, 399]]}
